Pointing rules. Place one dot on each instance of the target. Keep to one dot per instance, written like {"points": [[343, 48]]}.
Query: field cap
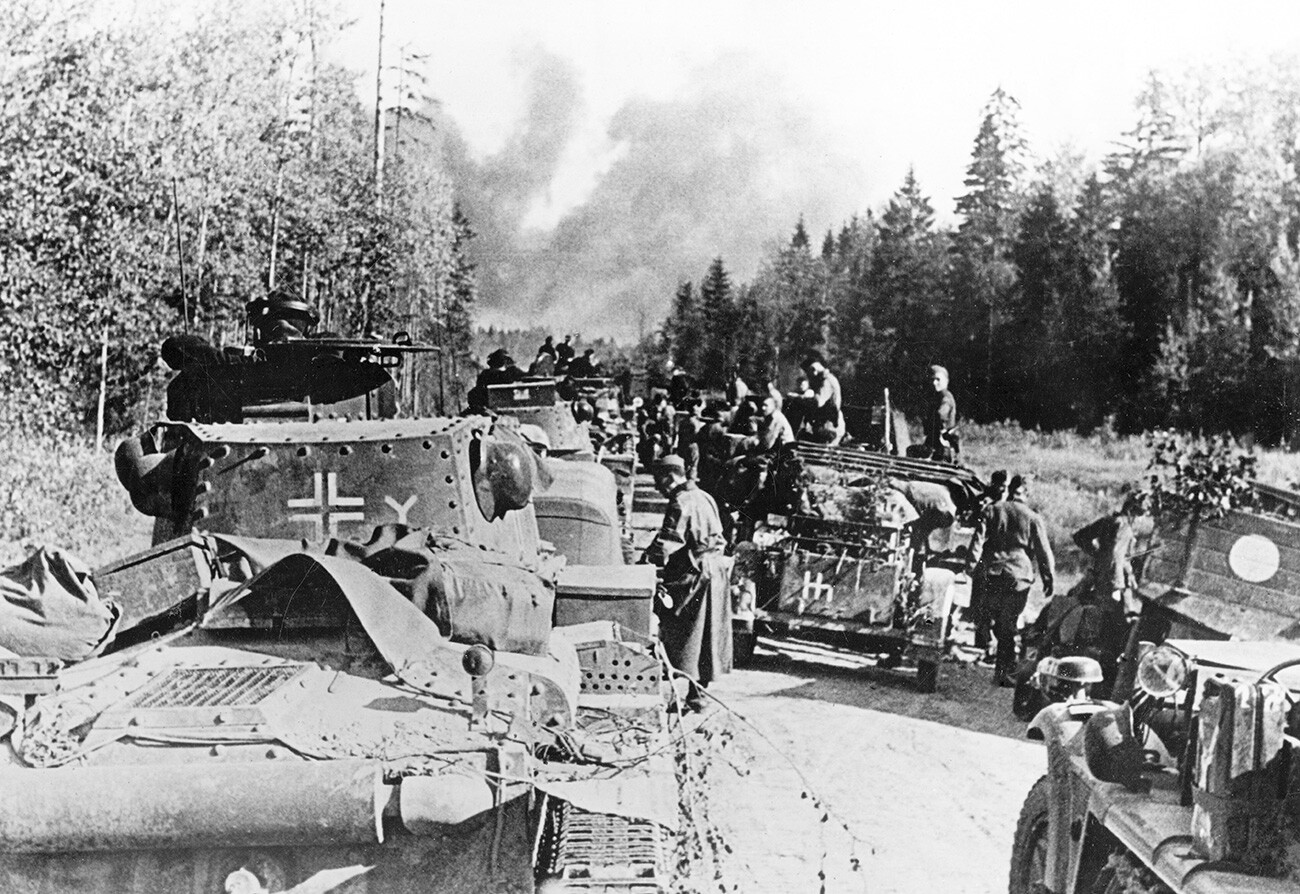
{"points": [[671, 463]]}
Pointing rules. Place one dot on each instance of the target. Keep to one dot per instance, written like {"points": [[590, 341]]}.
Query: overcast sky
{"points": [[871, 87]]}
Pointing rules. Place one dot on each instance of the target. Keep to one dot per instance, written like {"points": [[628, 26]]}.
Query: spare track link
{"points": [[600, 853]]}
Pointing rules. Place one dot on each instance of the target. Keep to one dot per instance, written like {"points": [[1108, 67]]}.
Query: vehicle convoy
{"points": [[598, 469], [1191, 783], [338, 669], [875, 585]]}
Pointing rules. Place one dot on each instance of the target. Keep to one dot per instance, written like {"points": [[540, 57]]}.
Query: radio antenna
{"points": [[180, 257]]}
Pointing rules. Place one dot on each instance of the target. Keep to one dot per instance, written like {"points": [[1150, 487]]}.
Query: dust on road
{"points": [[922, 790]]}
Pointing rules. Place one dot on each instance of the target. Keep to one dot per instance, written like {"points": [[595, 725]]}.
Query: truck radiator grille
{"points": [[192, 687], [597, 852]]}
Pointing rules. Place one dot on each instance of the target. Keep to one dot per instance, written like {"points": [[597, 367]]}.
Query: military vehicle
{"points": [[598, 473], [339, 667], [1190, 784], [866, 584]]}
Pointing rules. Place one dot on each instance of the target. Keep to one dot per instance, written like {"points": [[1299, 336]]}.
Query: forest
{"points": [[158, 173], [1159, 287], [155, 175]]}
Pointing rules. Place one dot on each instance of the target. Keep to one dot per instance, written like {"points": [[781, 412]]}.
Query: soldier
{"points": [[1010, 540], [501, 370], [825, 419], [737, 387], [980, 614], [1109, 543], [694, 606], [543, 366], [547, 347], [586, 366], [773, 429], [686, 441], [564, 353], [941, 419]]}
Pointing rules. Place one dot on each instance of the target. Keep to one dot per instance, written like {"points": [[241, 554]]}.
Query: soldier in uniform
{"points": [[825, 419], [981, 616], [694, 605], [941, 418], [501, 370], [1010, 540], [564, 354]]}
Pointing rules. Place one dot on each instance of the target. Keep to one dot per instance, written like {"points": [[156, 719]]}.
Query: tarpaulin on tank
{"points": [[49, 608], [474, 595]]}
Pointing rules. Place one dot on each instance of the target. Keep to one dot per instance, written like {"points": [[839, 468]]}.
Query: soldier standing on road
{"points": [[981, 615], [1009, 541], [694, 606], [1109, 543]]}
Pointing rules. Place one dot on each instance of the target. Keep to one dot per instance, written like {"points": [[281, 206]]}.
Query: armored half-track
{"points": [[339, 668]]}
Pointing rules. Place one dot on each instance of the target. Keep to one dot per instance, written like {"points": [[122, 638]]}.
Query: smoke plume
{"points": [[722, 169]]}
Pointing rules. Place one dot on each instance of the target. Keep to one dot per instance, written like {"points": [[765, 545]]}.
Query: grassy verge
{"points": [[60, 491], [1077, 478]]}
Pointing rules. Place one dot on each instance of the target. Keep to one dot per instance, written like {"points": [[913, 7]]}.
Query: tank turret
{"points": [[339, 667]]}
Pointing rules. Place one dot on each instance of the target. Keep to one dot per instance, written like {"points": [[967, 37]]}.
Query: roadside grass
{"points": [[59, 491], [1078, 478]]}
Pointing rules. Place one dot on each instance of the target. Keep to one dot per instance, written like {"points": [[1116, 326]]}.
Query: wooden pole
{"points": [[379, 112]]}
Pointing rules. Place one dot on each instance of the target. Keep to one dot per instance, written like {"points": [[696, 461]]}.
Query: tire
{"points": [[1029, 852], [927, 676], [742, 647]]}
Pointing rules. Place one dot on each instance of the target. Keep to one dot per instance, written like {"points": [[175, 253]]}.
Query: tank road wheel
{"points": [[742, 647], [1029, 852], [927, 676]]}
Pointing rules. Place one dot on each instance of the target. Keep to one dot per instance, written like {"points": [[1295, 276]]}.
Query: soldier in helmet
{"points": [[694, 605], [501, 370]]}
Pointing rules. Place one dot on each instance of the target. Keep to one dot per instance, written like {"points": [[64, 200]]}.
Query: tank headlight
{"points": [[1162, 671]]}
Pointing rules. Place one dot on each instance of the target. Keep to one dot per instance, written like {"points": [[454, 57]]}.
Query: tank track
{"points": [[599, 853]]}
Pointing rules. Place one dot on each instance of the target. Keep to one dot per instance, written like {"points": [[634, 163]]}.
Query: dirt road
{"points": [[844, 760]]}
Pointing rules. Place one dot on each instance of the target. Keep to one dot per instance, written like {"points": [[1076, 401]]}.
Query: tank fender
{"points": [[1058, 723]]}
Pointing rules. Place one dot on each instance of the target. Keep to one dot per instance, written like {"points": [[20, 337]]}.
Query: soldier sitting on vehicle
{"points": [[823, 419], [501, 370], [940, 421], [544, 364]]}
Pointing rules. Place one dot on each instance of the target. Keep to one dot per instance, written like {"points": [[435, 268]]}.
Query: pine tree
{"points": [[983, 273], [905, 311], [683, 329], [800, 238], [717, 323]]}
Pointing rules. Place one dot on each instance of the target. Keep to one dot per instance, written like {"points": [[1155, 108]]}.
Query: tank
{"points": [[338, 668], [598, 467]]}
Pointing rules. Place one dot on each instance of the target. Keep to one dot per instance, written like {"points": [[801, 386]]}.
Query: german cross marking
{"points": [[327, 516]]}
